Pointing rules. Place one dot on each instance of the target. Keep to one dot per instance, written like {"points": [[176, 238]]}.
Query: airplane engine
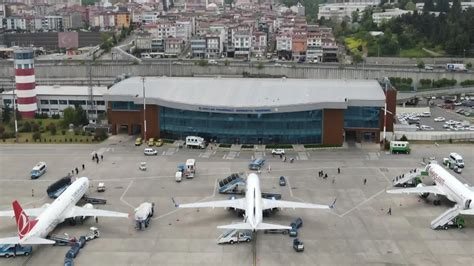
{"points": [[423, 195], [468, 204], [87, 206]]}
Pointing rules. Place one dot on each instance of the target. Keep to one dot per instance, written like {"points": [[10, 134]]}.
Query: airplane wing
{"points": [[418, 190], [80, 211], [467, 212], [232, 203], [34, 212], [270, 204]]}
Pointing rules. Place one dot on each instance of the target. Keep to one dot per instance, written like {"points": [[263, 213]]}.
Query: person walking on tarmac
{"points": [[389, 211]]}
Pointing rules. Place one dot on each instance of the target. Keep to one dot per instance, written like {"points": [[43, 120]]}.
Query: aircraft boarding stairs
{"points": [[231, 183], [446, 217], [403, 179]]}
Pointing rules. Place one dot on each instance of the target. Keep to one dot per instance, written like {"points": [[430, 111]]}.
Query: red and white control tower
{"points": [[25, 82]]}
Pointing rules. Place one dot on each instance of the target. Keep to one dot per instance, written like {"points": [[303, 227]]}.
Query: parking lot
{"points": [[447, 114], [357, 231]]}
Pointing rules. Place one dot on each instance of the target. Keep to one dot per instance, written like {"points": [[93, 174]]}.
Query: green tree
{"points": [[52, 128], [428, 6], [100, 134], [80, 116], [410, 6], [442, 5], [421, 64], [68, 116], [7, 113], [355, 16], [26, 126]]}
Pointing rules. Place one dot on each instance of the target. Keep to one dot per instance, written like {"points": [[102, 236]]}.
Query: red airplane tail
{"points": [[23, 222]]}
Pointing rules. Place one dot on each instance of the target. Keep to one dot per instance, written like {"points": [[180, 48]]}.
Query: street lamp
{"points": [[144, 109]]}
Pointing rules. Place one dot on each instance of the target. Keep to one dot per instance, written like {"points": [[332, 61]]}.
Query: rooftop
{"points": [[65, 90], [244, 94]]}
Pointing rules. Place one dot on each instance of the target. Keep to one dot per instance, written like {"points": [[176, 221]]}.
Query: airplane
{"points": [[253, 204], [34, 231], [445, 185]]}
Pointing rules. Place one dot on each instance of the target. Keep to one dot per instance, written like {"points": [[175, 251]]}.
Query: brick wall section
{"points": [[129, 118], [333, 126]]}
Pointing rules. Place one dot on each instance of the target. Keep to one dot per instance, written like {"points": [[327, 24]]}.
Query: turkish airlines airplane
{"points": [[34, 231], [445, 185], [254, 204]]}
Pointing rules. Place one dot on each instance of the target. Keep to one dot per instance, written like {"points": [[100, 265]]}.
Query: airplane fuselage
{"points": [[55, 213], [253, 196], [455, 190]]}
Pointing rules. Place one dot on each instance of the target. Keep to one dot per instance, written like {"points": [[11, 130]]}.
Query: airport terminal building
{"points": [[245, 110]]}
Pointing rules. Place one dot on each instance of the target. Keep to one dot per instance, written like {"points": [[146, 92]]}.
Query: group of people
{"points": [[95, 157]]}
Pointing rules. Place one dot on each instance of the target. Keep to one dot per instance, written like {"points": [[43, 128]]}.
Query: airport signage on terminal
{"points": [[234, 110]]}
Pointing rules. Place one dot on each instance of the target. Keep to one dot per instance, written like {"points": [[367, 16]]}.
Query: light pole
{"points": [[144, 109]]}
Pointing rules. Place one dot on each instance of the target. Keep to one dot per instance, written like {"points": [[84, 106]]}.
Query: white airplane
{"points": [[50, 215], [254, 204], [445, 185]]}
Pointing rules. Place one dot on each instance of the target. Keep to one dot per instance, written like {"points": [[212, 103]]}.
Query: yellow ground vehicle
{"points": [[138, 142], [159, 143], [151, 142]]}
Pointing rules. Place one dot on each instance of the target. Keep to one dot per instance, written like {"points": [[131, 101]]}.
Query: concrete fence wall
{"points": [[435, 136], [75, 71]]}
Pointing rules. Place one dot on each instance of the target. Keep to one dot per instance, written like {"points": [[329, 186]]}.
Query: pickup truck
{"points": [[14, 250], [235, 236]]}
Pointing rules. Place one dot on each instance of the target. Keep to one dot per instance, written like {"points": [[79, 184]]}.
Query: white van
{"points": [[39, 169], [195, 142], [456, 159], [150, 151]]}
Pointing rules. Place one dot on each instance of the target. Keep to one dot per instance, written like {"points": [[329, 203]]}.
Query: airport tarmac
{"points": [[357, 232]]}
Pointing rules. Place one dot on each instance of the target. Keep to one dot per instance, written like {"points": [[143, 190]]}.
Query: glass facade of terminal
{"points": [[361, 117], [265, 128]]}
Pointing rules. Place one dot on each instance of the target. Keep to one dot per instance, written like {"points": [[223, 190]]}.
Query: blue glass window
{"points": [[266, 128], [125, 106], [362, 117]]}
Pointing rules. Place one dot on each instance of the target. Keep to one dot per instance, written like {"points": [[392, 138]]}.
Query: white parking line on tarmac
{"points": [[177, 209], [123, 194]]}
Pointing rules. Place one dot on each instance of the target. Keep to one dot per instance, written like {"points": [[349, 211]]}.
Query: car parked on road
{"points": [[138, 142], [282, 181], [150, 151], [278, 152], [439, 119]]}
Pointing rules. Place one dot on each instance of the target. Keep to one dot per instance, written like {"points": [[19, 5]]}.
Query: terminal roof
{"points": [[224, 94]]}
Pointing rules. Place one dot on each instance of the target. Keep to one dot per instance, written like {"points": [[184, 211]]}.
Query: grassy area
{"points": [[353, 44], [414, 53], [46, 136], [279, 146]]}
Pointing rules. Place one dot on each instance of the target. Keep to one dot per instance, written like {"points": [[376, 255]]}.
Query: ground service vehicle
{"points": [[39, 169], [298, 245], [190, 169], [235, 236], [14, 250], [143, 214], [159, 143], [138, 142], [456, 159], [295, 225], [151, 142], [101, 187], [282, 181], [276, 231], [195, 142], [399, 147], [150, 151], [256, 164], [278, 152]]}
